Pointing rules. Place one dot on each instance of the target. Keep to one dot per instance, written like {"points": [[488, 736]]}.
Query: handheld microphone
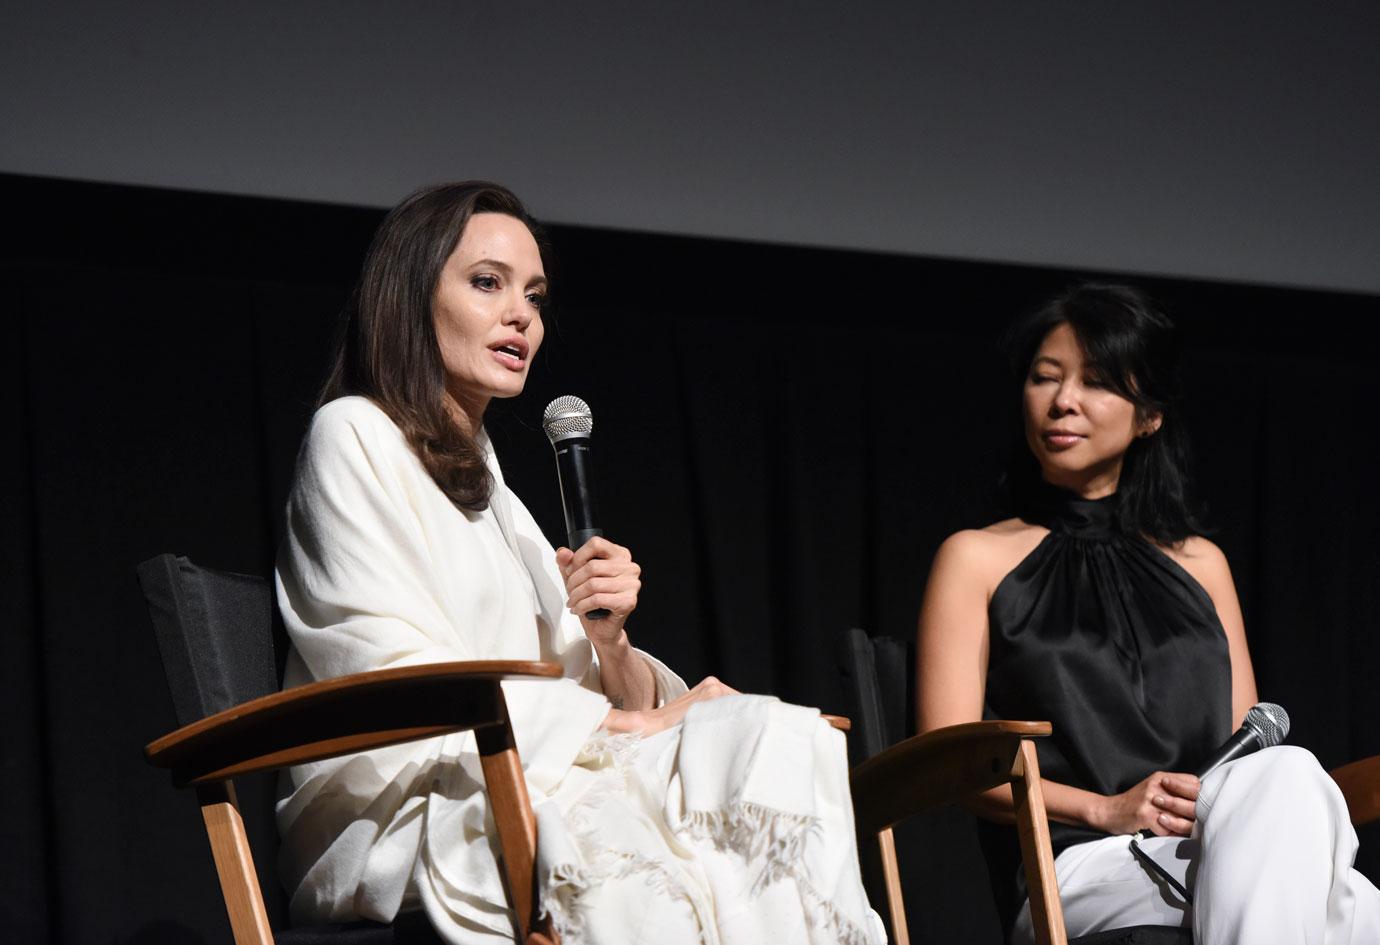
{"points": [[568, 423], [1265, 726]]}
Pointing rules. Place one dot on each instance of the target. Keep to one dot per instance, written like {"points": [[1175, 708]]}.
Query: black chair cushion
{"points": [[215, 634], [409, 928]]}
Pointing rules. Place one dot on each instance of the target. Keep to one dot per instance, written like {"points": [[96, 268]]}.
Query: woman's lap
{"points": [[1272, 831], [1103, 886]]}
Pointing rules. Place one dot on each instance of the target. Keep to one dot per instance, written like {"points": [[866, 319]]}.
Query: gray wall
{"points": [[1230, 140]]}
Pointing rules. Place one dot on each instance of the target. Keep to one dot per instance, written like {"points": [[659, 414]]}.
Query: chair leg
{"points": [[239, 883], [891, 875], [1037, 853], [517, 826]]}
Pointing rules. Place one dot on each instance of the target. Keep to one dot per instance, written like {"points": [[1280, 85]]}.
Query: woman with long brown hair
{"points": [[404, 545]]}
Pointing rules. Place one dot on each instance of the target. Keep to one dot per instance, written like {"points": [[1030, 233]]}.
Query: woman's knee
{"points": [[1283, 762], [1291, 761], [1286, 774]]}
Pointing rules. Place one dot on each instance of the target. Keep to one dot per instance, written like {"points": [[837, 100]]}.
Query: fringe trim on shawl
{"points": [[768, 840], [561, 899], [774, 843], [567, 884], [607, 750], [822, 912]]}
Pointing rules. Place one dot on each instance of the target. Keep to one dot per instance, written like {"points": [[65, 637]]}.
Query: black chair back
{"points": [[879, 678], [216, 637], [215, 634]]}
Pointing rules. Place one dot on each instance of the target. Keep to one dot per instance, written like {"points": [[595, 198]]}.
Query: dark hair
{"points": [[386, 348], [1134, 348]]}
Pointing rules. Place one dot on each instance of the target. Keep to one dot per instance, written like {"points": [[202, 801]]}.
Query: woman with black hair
{"points": [[1102, 608], [665, 815]]}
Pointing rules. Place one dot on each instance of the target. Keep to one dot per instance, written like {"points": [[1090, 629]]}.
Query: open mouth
{"points": [[512, 353]]}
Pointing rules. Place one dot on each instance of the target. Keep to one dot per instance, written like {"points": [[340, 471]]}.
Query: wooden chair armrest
{"points": [[939, 767], [1360, 784], [341, 716]]}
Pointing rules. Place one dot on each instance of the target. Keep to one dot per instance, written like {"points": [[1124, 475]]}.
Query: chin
{"points": [[1062, 465], [509, 390], [1073, 473]]}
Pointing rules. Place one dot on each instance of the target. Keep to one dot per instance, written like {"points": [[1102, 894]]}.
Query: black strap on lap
{"points": [[1150, 864]]}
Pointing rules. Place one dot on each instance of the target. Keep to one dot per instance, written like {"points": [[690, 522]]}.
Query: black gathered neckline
{"points": [[1068, 513]]}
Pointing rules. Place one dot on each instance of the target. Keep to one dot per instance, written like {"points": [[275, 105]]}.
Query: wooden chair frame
{"points": [[1359, 782], [350, 714], [949, 764], [944, 767]]}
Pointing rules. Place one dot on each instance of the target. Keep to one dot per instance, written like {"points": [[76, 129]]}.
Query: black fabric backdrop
{"points": [[783, 438]]}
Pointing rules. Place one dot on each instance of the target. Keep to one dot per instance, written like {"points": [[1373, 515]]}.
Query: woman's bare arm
{"points": [[951, 646], [1208, 565], [951, 675], [603, 575]]}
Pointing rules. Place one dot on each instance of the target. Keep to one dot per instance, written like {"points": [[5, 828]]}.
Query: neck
{"points": [[466, 410], [1088, 484]]}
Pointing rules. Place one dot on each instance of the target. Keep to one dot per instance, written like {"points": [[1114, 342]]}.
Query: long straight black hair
{"points": [[1134, 349]]}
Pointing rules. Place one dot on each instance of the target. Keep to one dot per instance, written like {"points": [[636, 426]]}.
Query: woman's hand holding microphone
{"points": [[602, 575]]}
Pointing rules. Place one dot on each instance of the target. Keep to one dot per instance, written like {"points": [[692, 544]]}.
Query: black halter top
{"points": [[1112, 641]]}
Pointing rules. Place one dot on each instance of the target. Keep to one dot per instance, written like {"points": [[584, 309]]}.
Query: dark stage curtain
{"points": [[783, 437]]}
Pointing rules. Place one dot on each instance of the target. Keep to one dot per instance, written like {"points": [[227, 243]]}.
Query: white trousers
{"points": [[1269, 862]]}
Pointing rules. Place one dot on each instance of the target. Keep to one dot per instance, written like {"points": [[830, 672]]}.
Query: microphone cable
{"points": [[1266, 725]]}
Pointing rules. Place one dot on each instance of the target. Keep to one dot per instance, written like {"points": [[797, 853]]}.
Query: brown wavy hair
{"points": [[386, 346]]}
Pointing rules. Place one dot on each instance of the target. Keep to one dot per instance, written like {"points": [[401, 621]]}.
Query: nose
{"points": [[518, 312], [1065, 399]]}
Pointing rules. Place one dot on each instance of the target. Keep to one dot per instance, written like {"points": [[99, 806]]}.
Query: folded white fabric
{"points": [[747, 767], [734, 827]]}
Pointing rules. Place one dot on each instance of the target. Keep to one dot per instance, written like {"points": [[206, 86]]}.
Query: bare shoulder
{"points": [[983, 556], [1202, 559]]}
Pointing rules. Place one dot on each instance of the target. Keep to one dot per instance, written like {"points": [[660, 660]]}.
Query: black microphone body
{"points": [[574, 468], [1245, 741], [568, 423]]}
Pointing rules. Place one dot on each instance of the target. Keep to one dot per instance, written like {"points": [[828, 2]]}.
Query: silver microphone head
{"points": [[1269, 721], [566, 417]]}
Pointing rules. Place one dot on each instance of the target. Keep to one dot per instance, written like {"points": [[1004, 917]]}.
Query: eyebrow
{"points": [[1046, 359], [505, 269]]}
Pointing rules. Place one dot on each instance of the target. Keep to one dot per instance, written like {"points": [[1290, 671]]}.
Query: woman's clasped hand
{"points": [[1164, 803]]}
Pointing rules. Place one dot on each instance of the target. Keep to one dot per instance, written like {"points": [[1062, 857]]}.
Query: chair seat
{"points": [[409, 928]]}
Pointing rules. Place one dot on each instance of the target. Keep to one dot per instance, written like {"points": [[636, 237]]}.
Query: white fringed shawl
{"points": [[741, 817], [379, 569]]}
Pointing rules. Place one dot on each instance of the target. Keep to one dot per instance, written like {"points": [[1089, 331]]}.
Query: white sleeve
{"points": [[355, 582], [359, 589]]}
